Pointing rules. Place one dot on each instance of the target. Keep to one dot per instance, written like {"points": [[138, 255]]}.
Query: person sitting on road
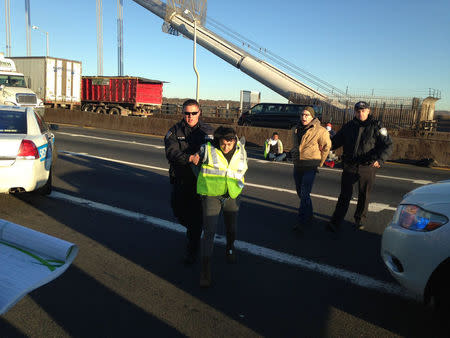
{"points": [[273, 149], [329, 127], [220, 183], [330, 161]]}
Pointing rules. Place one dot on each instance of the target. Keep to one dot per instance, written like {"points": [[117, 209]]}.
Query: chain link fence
{"points": [[394, 112], [231, 113]]}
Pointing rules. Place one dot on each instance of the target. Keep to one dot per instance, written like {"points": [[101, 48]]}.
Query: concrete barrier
{"points": [[408, 145]]}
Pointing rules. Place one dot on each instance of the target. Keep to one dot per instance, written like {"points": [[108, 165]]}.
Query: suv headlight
{"points": [[412, 217]]}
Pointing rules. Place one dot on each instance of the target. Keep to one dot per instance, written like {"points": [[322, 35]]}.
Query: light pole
{"points": [[195, 51], [44, 32]]}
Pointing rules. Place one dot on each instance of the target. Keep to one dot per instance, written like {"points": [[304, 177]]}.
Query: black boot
{"points": [[230, 253], [205, 273]]}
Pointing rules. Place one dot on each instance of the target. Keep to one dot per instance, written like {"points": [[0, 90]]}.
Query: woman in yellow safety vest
{"points": [[220, 182]]}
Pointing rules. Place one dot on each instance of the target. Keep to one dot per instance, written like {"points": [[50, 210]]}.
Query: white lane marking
{"points": [[415, 181], [421, 182], [256, 250], [373, 207], [112, 160], [112, 140]]}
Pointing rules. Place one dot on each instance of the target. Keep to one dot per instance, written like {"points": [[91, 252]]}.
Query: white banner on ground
{"points": [[28, 260]]}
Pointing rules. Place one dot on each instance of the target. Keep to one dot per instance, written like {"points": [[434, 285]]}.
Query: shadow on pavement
{"points": [[270, 298]]}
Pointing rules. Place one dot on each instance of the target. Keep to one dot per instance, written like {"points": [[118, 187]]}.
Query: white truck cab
{"points": [[13, 88]]}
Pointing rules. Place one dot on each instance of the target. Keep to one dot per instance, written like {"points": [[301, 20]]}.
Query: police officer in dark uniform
{"points": [[182, 142], [366, 145]]}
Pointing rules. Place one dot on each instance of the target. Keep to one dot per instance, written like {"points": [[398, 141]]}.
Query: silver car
{"points": [[416, 244]]}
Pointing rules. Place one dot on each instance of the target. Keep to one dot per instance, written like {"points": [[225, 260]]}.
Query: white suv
{"points": [[416, 244]]}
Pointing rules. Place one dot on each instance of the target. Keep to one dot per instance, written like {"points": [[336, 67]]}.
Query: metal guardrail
{"points": [[207, 111]]}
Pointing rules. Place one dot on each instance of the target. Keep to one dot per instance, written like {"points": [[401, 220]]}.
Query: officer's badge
{"points": [[383, 131]]}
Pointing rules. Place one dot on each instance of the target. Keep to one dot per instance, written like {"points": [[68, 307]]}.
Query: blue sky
{"points": [[395, 47]]}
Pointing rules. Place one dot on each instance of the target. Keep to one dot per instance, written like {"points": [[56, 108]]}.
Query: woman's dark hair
{"points": [[226, 133]]}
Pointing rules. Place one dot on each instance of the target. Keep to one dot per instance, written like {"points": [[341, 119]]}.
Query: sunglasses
{"points": [[193, 113]]}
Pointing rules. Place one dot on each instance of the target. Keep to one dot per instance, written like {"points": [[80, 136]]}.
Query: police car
{"points": [[416, 244], [26, 151]]}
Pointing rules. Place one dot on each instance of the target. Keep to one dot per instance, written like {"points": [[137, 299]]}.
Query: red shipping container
{"points": [[125, 90]]}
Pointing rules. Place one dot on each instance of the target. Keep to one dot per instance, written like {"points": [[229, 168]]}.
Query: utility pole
{"points": [[8, 27], [28, 24], [120, 37], [99, 38], [46, 38], [194, 56]]}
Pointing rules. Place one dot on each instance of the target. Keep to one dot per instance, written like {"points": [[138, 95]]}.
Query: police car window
{"points": [[13, 122], [41, 123]]}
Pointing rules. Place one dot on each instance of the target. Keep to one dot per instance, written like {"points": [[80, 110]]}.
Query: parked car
{"points": [[275, 115], [26, 151], [416, 244]]}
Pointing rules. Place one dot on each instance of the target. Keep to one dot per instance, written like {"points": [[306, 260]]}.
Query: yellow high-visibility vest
{"points": [[217, 176]]}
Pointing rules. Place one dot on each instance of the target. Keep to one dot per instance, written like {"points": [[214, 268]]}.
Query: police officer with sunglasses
{"points": [[182, 143]]}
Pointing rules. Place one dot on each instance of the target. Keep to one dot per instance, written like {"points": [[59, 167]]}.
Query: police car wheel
{"points": [[46, 189]]}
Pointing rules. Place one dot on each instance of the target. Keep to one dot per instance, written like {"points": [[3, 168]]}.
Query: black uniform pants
{"points": [[365, 176], [187, 208]]}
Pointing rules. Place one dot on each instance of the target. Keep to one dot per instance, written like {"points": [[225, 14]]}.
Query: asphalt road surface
{"points": [[111, 198]]}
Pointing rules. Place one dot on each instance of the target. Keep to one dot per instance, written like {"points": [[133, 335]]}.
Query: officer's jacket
{"points": [[363, 142], [180, 142]]}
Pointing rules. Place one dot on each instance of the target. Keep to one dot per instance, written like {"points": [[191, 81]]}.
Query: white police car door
{"points": [[46, 147]]}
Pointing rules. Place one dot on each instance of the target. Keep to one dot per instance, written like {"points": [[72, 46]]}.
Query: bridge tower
{"points": [[99, 38], [28, 24], [120, 37]]}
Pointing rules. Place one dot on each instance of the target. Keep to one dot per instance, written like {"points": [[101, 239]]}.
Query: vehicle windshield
{"points": [[13, 122], [12, 80]]}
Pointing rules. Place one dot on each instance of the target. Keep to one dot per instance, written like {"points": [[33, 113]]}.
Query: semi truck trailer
{"points": [[121, 95], [56, 81]]}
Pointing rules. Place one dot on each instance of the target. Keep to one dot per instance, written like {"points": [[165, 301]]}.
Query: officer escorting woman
{"points": [[220, 182], [366, 145], [182, 143]]}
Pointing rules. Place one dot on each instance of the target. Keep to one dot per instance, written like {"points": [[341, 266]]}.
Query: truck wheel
{"points": [[100, 110], [114, 111]]}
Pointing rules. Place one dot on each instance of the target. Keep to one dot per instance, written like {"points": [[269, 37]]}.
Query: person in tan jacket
{"points": [[311, 147]]}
